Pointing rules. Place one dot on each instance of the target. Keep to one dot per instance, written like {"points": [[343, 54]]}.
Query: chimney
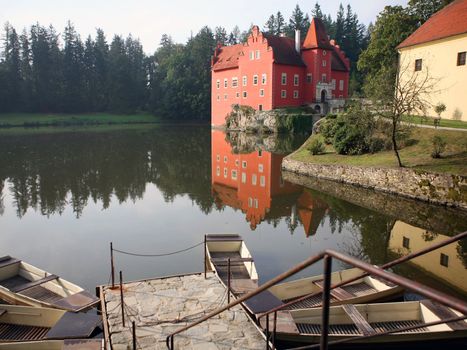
{"points": [[298, 42]]}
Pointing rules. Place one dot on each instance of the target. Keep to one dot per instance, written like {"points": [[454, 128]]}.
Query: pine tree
{"points": [[12, 73], [102, 66], [220, 35], [298, 21], [316, 12], [26, 73], [234, 36], [280, 23], [270, 25], [340, 30]]}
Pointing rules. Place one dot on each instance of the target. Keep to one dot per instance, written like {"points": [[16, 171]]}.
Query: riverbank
{"points": [[441, 181]]}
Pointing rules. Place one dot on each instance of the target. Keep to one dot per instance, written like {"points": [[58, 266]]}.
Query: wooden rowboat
{"points": [[24, 284], [25, 323], [222, 248], [364, 290], [357, 321], [70, 344]]}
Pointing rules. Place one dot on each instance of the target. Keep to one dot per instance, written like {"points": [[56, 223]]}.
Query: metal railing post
{"points": [[228, 281], [112, 266], [134, 334], [121, 299], [267, 332], [326, 302], [205, 258], [274, 329]]}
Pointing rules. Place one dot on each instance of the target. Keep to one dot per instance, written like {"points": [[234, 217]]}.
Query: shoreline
{"points": [[441, 189]]}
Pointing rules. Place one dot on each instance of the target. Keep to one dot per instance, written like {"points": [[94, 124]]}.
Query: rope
{"points": [[157, 255]]}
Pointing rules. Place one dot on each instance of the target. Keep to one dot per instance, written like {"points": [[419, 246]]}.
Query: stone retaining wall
{"points": [[443, 189]]}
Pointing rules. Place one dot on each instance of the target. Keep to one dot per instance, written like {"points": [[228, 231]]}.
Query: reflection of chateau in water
{"points": [[253, 183], [447, 264]]}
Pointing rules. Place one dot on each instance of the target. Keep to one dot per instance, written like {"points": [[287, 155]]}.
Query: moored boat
{"points": [[69, 344], [358, 321], [25, 323], [363, 290], [24, 284]]}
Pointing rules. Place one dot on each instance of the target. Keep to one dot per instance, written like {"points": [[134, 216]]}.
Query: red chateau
{"points": [[270, 71]]}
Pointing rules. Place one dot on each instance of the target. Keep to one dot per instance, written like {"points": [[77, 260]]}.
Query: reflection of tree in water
{"points": [[370, 230], [47, 172]]}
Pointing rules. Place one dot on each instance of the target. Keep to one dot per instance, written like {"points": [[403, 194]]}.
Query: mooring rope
{"points": [[157, 255]]}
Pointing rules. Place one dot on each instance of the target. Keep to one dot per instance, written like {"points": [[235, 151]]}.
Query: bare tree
{"points": [[398, 92]]}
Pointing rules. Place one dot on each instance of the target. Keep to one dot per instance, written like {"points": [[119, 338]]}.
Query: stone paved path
{"points": [[161, 306]]}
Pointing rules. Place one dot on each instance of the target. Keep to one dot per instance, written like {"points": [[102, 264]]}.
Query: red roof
{"points": [[449, 21], [284, 50], [227, 57], [317, 36]]}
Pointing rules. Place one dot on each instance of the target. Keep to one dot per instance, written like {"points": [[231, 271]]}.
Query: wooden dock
{"points": [[163, 305]]}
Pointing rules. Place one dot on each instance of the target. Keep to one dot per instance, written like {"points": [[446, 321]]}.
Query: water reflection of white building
{"points": [[445, 264]]}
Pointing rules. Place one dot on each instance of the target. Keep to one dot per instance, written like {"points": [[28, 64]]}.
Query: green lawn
{"points": [[417, 156], [35, 120], [448, 123]]}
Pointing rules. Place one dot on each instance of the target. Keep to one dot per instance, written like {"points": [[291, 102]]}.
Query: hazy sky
{"points": [[149, 19]]}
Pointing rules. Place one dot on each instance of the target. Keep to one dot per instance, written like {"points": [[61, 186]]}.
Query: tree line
{"points": [[44, 71]]}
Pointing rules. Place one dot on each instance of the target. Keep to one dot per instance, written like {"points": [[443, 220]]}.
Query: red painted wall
{"points": [[338, 76]]}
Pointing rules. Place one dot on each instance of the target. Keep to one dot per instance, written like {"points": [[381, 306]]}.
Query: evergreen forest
{"points": [[44, 71]]}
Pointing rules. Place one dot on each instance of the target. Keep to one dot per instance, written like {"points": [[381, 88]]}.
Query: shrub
{"points": [[439, 146], [327, 129], [376, 144], [316, 145], [350, 140]]}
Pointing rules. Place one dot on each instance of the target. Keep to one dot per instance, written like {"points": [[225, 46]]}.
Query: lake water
{"points": [[65, 195]]}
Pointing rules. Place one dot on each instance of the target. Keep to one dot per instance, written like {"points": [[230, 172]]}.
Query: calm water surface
{"points": [[65, 195]]}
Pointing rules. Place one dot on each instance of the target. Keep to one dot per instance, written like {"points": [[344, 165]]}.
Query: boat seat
{"points": [[444, 312], [225, 261], [338, 293], [223, 238], [362, 324], [31, 284], [7, 261]]}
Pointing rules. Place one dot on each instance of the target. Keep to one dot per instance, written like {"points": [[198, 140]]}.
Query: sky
{"points": [[149, 19]]}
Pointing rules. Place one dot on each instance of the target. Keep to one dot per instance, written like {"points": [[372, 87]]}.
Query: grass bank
{"points": [[416, 156], [11, 120], [447, 123]]}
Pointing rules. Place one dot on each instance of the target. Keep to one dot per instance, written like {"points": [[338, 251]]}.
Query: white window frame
{"points": [[284, 79], [225, 159], [226, 83], [323, 77], [234, 82], [254, 179], [233, 174], [261, 92], [264, 79], [245, 94], [295, 94], [218, 84], [237, 94], [262, 181], [258, 54], [244, 80], [218, 97], [226, 172], [324, 63], [283, 93], [244, 164], [243, 178], [252, 55], [333, 83], [296, 80], [218, 170], [218, 158], [260, 168], [341, 85], [309, 78], [324, 52], [255, 79]]}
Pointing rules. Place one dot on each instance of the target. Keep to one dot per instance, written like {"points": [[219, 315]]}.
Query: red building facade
{"points": [[271, 71]]}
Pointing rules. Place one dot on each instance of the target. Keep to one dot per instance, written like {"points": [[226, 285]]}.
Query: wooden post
{"points": [[228, 281], [112, 267], [121, 299], [205, 257], [134, 334]]}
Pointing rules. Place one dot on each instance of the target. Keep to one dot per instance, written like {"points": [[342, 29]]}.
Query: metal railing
{"points": [[327, 256]]}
